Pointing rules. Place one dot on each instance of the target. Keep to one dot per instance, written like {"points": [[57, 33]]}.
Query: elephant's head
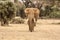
{"points": [[34, 11]]}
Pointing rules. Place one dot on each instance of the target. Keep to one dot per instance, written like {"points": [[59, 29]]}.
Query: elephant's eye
{"points": [[27, 10], [35, 10]]}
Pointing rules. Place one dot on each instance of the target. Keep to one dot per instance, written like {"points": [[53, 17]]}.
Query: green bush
{"points": [[55, 13], [7, 11], [20, 11], [17, 20]]}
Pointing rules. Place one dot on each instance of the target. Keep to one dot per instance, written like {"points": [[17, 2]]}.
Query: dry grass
{"points": [[43, 31]]}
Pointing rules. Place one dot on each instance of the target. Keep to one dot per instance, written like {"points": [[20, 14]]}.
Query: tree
{"points": [[7, 12]]}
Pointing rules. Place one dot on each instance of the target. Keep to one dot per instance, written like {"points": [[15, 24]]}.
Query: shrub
{"points": [[17, 20], [20, 11], [7, 11], [55, 13]]}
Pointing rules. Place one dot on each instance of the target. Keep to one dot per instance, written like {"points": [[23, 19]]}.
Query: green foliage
{"points": [[7, 10], [4, 0], [17, 20], [55, 14]]}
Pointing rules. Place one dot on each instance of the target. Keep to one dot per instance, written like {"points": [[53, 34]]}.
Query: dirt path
{"points": [[43, 31]]}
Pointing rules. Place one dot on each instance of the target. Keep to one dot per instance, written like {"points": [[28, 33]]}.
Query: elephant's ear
{"points": [[36, 10], [26, 11]]}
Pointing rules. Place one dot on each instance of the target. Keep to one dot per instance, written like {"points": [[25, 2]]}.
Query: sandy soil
{"points": [[44, 30]]}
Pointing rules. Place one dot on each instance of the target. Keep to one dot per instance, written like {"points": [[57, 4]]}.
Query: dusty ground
{"points": [[44, 30]]}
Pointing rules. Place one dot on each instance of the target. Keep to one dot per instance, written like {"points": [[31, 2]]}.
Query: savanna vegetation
{"points": [[7, 12]]}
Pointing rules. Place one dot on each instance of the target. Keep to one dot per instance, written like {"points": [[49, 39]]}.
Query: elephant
{"points": [[32, 14]]}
